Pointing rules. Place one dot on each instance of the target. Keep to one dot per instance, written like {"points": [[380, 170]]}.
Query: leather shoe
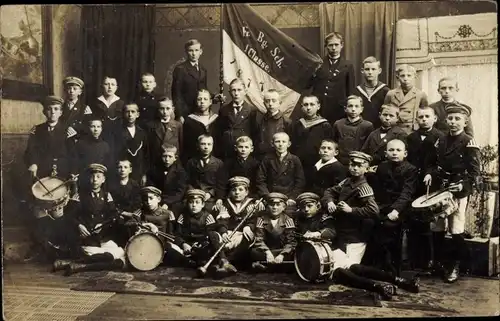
{"points": [[226, 265], [258, 266], [73, 268], [412, 285], [60, 265], [386, 291], [454, 274]]}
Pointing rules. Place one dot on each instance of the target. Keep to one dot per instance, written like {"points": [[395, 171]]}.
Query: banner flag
{"points": [[264, 57]]}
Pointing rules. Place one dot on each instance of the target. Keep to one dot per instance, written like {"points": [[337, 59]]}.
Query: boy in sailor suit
{"points": [[109, 107], [308, 133], [274, 234], [328, 171], [371, 90], [233, 210]]}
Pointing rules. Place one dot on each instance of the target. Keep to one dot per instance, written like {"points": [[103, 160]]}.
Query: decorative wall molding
{"points": [[207, 17], [466, 39]]}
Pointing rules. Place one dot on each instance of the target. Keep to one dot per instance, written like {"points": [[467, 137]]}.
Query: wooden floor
{"points": [[471, 296]]}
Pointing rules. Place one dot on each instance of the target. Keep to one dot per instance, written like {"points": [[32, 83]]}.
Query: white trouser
{"points": [[353, 255], [455, 222], [106, 247]]}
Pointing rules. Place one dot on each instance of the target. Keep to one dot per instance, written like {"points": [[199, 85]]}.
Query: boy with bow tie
{"points": [[376, 142], [237, 118]]}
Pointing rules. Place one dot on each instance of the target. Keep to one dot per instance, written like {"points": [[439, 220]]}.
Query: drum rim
{"points": [[321, 275], [437, 199], [58, 200], [137, 235]]}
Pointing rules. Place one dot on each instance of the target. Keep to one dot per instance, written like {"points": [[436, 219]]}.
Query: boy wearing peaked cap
{"points": [[95, 218], [231, 213], [274, 234], [456, 168], [353, 207], [197, 238], [75, 111], [152, 212], [47, 154], [311, 222]]}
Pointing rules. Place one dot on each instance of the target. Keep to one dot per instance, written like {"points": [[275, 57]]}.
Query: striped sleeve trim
{"points": [[71, 132], [260, 223], [365, 191], [76, 197], [180, 220], [325, 217], [210, 219], [33, 130], [87, 110], [472, 143], [110, 198], [289, 223]]}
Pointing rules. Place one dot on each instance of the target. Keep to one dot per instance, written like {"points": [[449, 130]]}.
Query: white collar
{"points": [[114, 99], [203, 120], [320, 163], [283, 155], [195, 63]]}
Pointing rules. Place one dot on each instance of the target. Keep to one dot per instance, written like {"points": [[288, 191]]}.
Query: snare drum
{"points": [[314, 261], [52, 203], [145, 251], [428, 209]]}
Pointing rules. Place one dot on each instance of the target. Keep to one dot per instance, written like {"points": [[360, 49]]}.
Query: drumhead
{"points": [[307, 263], [144, 251], [424, 201], [40, 193]]}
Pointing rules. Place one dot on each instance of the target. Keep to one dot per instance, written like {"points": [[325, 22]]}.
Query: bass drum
{"points": [[314, 261], [144, 251]]}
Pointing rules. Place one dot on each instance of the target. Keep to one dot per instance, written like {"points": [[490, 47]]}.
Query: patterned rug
{"points": [[275, 287]]}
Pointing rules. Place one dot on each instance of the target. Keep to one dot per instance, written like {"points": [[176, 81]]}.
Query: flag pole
{"points": [[221, 56]]}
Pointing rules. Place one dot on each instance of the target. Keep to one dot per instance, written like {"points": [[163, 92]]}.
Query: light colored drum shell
{"points": [[53, 201], [144, 251], [324, 254]]}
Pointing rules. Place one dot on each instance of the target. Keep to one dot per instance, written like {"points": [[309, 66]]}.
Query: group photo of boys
{"points": [[360, 182]]}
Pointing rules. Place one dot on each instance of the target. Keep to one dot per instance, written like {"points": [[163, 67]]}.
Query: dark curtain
{"points": [[369, 29], [118, 41]]}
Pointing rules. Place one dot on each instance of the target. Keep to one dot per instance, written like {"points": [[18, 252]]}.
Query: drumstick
{"points": [[427, 193], [59, 186], [43, 185], [283, 262]]}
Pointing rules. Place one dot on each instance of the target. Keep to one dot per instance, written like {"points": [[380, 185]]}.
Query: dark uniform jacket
{"points": [[268, 237], [350, 136], [89, 150], [328, 175], [127, 197], [171, 181], [375, 145], [194, 227], [148, 107], [162, 218], [421, 151], [306, 139], [46, 149], [76, 117], [322, 223], [163, 134], [356, 226], [231, 215], [395, 184], [372, 102], [135, 149], [206, 177], [185, 85], [193, 127], [112, 115], [457, 159], [267, 126], [440, 110], [90, 210], [332, 83], [231, 126], [285, 176], [239, 167]]}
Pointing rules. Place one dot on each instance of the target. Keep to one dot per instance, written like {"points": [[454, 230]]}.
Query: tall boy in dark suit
{"points": [[147, 99], [188, 78]]}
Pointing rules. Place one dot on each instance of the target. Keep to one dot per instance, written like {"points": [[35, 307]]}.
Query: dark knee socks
{"points": [[372, 273], [100, 266], [349, 278], [438, 245], [104, 257], [460, 251]]}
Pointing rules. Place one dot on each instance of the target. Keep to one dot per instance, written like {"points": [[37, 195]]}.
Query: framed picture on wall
{"points": [[26, 52]]}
